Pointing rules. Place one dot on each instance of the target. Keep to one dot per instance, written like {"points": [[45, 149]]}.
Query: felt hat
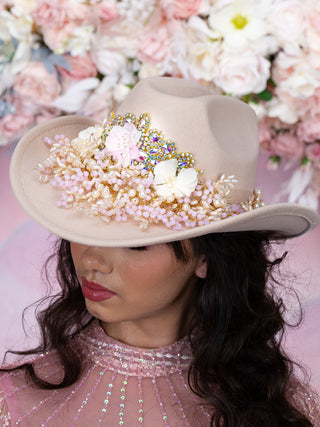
{"points": [[175, 162]]}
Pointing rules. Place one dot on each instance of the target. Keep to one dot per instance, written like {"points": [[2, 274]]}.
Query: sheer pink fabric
{"points": [[123, 385]]}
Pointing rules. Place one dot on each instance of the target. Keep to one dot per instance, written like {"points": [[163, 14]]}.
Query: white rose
{"points": [[288, 20], [202, 52], [283, 111], [242, 74], [107, 61], [300, 75]]}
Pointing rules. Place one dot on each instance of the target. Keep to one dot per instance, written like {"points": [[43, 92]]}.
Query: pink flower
{"points": [[154, 40], [105, 11], [266, 133], [313, 151], [81, 67], [55, 13], [309, 130], [56, 37], [287, 145], [181, 9], [36, 83], [13, 125], [122, 143]]}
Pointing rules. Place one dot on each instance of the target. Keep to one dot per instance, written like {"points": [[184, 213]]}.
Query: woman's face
{"points": [[145, 292]]}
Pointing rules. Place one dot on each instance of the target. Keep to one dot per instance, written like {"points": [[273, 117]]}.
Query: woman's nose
{"points": [[97, 259]]}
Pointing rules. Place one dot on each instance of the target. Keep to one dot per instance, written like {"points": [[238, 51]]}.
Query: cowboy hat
{"points": [[175, 162]]}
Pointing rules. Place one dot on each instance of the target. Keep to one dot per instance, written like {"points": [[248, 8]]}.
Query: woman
{"points": [[167, 314]]}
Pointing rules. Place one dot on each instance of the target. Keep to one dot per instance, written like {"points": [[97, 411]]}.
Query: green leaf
{"points": [[265, 95], [275, 159], [305, 161], [272, 82]]}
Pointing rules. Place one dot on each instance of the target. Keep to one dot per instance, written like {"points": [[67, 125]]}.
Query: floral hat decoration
{"points": [[174, 162]]}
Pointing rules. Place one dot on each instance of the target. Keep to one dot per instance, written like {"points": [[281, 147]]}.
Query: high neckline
{"points": [[134, 361]]}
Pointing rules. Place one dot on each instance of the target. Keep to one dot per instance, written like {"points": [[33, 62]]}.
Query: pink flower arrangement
{"points": [[81, 57]]}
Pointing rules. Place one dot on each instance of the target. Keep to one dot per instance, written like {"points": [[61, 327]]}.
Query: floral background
{"points": [[83, 56]]}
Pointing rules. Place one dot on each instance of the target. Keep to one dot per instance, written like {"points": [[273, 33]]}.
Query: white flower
{"points": [[87, 139], [81, 40], [122, 36], [108, 61], [136, 10], [240, 22], [259, 109], [148, 70], [202, 51], [120, 92], [18, 27], [281, 110], [75, 96], [242, 74], [288, 20], [301, 78], [168, 183], [23, 7]]}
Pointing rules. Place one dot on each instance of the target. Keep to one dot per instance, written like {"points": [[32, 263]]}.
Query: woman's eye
{"points": [[139, 248]]}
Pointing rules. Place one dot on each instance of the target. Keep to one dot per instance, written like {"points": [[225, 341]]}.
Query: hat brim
{"points": [[40, 202]]}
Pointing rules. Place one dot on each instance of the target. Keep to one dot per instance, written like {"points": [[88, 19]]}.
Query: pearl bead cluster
{"points": [[99, 185]]}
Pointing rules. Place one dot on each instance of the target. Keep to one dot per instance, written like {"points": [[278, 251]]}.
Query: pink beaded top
{"points": [[122, 385]]}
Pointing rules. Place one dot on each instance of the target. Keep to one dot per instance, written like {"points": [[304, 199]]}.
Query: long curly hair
{"points": [[239, 366]]}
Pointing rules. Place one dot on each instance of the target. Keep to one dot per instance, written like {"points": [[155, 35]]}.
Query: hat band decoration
{"points": [[123, 170]]}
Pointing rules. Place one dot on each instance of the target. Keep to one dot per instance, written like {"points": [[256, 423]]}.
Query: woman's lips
{"points": [[95, 292]]}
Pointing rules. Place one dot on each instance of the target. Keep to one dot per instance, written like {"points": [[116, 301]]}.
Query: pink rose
{"points": [[55, 13], [181, 9], [309, 130], [105, 11], [13, 124], [81, 67], [55, 37], [36, 83], [49, 15], [266, 133], [287, 145], [154, 40], [122, 143], [313, 151]]}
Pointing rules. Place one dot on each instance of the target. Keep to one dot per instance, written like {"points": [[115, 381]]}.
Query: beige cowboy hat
{"points": [[185, 161]]}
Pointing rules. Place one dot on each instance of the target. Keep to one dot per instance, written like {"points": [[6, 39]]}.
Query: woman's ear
{"points": [[201, 268]]}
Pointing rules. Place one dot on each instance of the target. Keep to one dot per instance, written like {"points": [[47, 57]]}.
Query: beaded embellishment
{"points": [[125, 170]]}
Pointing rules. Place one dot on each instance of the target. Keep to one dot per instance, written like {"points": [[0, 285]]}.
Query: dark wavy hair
{"points": [[239, 366]]}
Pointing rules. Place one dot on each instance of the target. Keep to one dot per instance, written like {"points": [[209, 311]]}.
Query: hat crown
{"points": [[207, 125]]}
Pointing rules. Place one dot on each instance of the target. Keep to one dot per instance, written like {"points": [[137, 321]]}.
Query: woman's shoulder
{"points": [[306, 400]]}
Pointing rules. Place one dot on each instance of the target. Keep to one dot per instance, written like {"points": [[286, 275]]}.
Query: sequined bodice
{"points": [[122, 385]]}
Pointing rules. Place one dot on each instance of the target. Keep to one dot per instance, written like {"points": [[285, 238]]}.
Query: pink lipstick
{"points": [[95, 292]]}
